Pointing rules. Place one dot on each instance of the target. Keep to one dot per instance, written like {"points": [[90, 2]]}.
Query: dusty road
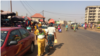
{"points": [[80, 43]]}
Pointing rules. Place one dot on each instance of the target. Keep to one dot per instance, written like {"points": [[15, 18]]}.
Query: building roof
{"points": [[93, 6], [37, 15]]}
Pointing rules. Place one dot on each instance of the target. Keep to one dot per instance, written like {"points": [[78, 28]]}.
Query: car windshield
{"points": [[3, 36], [44, 27]]}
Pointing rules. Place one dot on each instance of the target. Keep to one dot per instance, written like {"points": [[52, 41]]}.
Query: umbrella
{"points": [[25, 18], [51, 21], [17, 18], [41, 20], [28, 18]]}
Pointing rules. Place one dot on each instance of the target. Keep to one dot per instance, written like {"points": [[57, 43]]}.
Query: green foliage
{"points": [[49, 19], [98, 22]]}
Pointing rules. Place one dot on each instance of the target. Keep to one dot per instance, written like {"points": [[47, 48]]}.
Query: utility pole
{"points": [[75, 20], [43, 12], [11, 5], [43, 16], [26, 14]]}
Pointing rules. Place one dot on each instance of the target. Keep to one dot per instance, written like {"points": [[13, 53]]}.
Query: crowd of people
{"points": [[91, 26]]}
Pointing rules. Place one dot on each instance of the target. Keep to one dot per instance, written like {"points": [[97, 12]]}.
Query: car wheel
{"points": [[31, 50]]}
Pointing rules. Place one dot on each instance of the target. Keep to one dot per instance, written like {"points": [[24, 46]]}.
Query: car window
{"points": [[27, 33], [14, 36], [24, 33], [3, 36]]}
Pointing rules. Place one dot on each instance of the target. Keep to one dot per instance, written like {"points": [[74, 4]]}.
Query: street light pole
{"points": [[11, 5], [43, 12]]}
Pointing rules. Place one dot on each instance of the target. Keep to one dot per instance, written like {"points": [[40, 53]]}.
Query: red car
{"points": [[16, 41]]}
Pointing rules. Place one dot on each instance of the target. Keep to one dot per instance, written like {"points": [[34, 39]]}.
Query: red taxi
{"points": [[16, 41]]}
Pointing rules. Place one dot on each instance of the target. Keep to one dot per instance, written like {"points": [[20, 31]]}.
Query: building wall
{"points": [[36, 19], [61, 21], [92, 14]]}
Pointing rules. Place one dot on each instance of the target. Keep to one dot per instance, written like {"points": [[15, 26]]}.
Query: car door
{"points": [[14, 50], [26, 39]]}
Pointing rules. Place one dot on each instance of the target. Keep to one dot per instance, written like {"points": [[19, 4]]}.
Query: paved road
{"points": [[80, 43]]}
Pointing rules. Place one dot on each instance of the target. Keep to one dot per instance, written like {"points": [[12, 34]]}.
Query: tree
{"points": [[98, 22], [70, 21], [49, 19]]}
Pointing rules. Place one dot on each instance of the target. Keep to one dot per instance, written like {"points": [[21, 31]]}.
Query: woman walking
{"points": [[51, 36], [40, 37]]}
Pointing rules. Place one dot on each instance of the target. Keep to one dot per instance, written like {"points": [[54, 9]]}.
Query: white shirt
{"points": [[51, 30]]}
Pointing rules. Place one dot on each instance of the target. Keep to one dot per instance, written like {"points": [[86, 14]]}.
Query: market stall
{"points": [[6, 18]]}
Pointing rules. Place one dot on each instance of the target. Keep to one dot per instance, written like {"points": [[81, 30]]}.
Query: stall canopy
{"points": [[26, 18], [51, 21], [7, 13], [17, 18]]}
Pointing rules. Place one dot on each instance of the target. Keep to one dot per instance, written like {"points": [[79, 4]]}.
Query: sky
{"points": [[63, 10]]}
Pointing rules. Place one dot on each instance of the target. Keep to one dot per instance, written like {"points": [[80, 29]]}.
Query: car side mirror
{"points": [[13, 43]]}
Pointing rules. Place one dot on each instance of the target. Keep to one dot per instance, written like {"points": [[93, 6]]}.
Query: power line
{"points": [[25, 7], [29, 6], [63, 13]]}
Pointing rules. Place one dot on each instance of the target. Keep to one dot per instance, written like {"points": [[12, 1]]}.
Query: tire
{"points": [[31, 50]]}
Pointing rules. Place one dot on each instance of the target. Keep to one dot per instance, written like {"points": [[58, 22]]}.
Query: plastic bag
{"points": [[55, 41]]}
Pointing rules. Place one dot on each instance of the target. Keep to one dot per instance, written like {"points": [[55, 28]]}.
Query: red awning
{"points": [[41, 20], [51, 21]]}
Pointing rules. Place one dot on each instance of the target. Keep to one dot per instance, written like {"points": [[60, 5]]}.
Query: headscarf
{"points": [[51, 24]]}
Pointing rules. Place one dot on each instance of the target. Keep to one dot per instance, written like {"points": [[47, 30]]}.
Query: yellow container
{"points": [[55, 41]]}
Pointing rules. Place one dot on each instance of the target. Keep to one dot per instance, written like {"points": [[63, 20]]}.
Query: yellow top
{"points": [[37, 31], [35, 27], [39, 25]]}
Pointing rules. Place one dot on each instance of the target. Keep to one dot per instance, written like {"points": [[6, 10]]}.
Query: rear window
{"points": [[3, 36]]}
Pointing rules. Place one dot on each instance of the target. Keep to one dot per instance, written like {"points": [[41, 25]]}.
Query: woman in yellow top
{"points": [[36, 27], [40, 37], [39, 24]]}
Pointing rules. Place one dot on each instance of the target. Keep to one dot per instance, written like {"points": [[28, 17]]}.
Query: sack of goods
{"points": [[60, 30]]}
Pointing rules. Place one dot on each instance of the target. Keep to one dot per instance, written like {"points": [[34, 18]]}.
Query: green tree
{"points": [[49, 19]]}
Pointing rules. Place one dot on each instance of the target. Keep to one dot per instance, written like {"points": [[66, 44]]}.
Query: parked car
{"points": [[16, 41]]}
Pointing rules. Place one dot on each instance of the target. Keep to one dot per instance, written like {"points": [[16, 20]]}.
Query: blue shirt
{"points": [[66, 26]]}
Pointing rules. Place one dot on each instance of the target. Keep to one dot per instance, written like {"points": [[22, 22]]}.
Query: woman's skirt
{"points": [[50, 40]]}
